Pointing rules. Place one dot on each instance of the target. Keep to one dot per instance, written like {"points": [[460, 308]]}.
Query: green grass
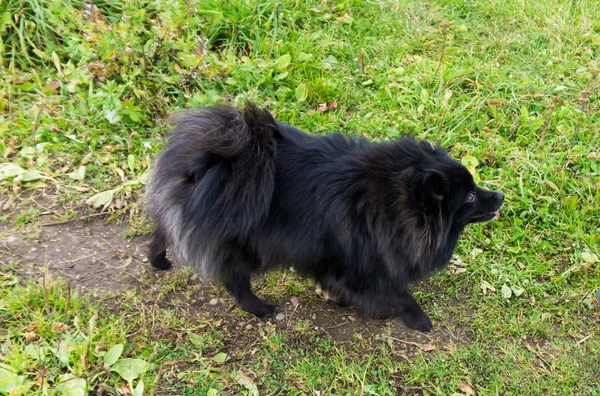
{"points": [[512, 84]]}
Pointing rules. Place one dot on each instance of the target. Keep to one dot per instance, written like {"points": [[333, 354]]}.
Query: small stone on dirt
{"points": [[295, 301], [145, 260], [280, 316], [214, 301], [314, 316], [248, 326], [194, 277]]}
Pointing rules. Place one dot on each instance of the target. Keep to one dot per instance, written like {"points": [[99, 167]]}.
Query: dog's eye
{"points": [[471, 196]]}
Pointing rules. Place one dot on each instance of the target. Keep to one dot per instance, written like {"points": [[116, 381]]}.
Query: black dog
{"points": [[237, 192]]}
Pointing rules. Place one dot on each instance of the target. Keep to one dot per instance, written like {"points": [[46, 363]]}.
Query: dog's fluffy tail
{"points": [[215, 179]]}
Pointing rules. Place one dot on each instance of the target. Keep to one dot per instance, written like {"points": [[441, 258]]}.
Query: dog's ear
{"points": [[435, 183], [199, 165]]}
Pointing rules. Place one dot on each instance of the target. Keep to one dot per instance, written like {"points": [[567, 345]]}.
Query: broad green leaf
{"points": [[283, 61], [517, 291], [41, 147], [72, 386], [212, 392], [35, 351], [8, 379], [590, 258], [139, 389], [303, 56], [130, 369], [28, 152], [22, 388], [196, 339], [469, 160], [301, 92], [103, 199], [246, 382], [281, 76], [79, 174], [62, 353], [8, 170], [265, 64], [6, 18], [470, 163], [113, 354], [32, 175], [221, 357], [331, 61], [506, 292], [26, 86], [144, 178]]}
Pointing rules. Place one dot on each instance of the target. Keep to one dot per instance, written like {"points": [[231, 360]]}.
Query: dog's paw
{"points": [[260, 309], [161, 264], [418, 321], [267, 310], [340, 302]]}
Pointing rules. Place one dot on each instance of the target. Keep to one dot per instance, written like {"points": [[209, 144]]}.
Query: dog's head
{"points": [[447, 186]]}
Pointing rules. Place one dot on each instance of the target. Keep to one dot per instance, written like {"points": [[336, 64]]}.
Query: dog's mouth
{"points": [[487, 217]]}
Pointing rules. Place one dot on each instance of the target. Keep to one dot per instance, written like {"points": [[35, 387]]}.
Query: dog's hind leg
{"points": [[235, 274], [157, 252]]}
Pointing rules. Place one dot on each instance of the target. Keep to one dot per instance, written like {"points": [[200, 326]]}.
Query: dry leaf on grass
{"points": [[464, 387], [327, 106], [428, 347]]}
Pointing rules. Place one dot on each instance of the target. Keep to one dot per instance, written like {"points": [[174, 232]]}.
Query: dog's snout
{"points": [[500, 196]]}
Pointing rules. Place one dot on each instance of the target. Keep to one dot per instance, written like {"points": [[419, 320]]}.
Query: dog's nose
{"points": [[500, 197]]}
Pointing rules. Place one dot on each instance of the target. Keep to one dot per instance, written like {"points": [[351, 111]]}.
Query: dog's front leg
{"points": [[411, 313]]}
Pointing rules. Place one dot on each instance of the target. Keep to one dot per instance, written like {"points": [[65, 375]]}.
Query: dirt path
{"points": [[96, 256]]}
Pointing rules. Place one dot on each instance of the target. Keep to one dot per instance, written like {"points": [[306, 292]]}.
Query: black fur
{"points": [[235, 192]]}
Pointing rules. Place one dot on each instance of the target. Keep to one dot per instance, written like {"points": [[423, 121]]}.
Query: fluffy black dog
{"points": [[235, 192]]}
